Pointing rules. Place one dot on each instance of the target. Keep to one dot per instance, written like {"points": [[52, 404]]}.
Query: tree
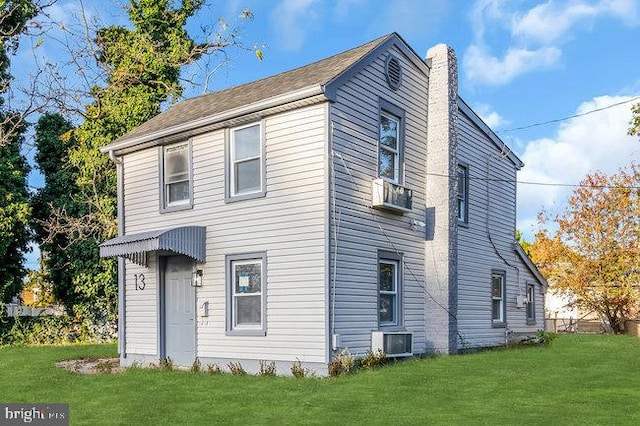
{"points": [[14, 16], [142, 66], [53, 140], [526, 245], [594, 256], [634, 130], [14, 215], [14, 207]]}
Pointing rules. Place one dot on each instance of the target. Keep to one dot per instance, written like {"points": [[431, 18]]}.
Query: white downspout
{"points": [[122, 347]]}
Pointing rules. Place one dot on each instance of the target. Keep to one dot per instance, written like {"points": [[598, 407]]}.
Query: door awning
{"points": [[189, 241]]}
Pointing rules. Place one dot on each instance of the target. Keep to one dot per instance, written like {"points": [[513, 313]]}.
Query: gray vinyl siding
{"points": [[288, 224], [142, 311], [354, 120], [485, 244]]}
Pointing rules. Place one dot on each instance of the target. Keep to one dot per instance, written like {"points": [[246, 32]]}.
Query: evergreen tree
{"points": [[53, 140], [14, 215], [14, 206]]}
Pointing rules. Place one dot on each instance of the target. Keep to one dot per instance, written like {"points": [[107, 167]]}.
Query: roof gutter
{"points": [[125, 142]]}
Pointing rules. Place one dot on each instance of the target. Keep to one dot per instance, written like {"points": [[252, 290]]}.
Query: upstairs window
{"points": [[390, 142], [497, 297], [463, 193], [176, 177], [246, 161]]}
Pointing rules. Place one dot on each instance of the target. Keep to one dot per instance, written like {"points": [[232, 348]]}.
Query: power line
{"points": [[570, 117], [522, 182]]}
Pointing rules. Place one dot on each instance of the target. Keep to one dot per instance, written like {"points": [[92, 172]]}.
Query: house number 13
{"points": [[139, 280]]}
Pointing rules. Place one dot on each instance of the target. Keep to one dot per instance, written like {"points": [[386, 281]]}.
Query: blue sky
{"points": [[520, 63]]}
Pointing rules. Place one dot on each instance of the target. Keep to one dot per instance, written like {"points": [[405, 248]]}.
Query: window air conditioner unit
{"points": [[389, 196], [392, 343]]}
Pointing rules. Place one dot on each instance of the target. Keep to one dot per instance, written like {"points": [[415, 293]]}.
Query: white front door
{"points": [[179, 310]]}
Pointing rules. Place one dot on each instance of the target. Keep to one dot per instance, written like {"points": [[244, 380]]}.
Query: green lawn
{"points": [[579, 380]]}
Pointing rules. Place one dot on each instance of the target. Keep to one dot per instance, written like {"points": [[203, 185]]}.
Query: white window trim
{"points": [[394, 152], [502, 320], [245, 259], [463, 198], [231, 194], [390, 111], [165, 205], [393, 293], [531, 303], [395, 259]]}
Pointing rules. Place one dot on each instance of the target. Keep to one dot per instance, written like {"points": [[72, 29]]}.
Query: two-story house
{"points": [[356, 202]]}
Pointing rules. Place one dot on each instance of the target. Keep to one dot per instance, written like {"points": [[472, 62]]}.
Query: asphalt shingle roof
{"points": [[317, 73]]}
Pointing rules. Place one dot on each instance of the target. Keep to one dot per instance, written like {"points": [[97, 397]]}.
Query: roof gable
{"points": [[321, 77], [475, 119], [529, 264]]}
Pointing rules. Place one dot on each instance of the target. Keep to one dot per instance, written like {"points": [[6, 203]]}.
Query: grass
{"points": [[579, 380]]}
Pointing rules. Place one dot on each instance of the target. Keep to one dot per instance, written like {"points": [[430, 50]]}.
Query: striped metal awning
{"points": [[189, 241]]}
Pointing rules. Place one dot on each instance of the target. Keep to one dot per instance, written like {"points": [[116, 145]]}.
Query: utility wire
{"points": [[522, 182], [569, 117]]}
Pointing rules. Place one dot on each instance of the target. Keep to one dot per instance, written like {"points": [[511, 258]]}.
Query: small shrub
{"points": [[298, 370], [196, 366], [166, 364], [236, 369], [342, 363], [373, 359], [545, 337], [267, 368], [50, 330], [214, 369]]}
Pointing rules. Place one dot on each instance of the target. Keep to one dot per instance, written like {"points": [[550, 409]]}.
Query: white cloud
{"points": [[627, 10], [533, 36], [482, 67], [490, 117], [582, 145], [549, 22], [291, 19]]}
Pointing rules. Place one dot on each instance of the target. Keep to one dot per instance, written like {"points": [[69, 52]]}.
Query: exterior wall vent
{"points": [[393, 72]]}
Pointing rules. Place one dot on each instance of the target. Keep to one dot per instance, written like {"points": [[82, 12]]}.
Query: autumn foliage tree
{"points": [[594, 257]]}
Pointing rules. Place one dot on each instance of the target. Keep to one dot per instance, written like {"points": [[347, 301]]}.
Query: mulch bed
{"points": [[91, 365]]}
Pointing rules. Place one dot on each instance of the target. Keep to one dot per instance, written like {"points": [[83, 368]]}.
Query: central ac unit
{"points": [[392, 343], [387, 195]]}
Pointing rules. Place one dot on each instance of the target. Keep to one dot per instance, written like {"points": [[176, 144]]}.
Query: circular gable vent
{"points": [[393, 72]]}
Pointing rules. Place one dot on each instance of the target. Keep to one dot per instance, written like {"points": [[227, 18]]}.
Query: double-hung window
{"points": [[246, 162], [389, 283], [247, 287], [497, 297], [176, 184], [390, 142], [463, 193], [531, 304]]}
